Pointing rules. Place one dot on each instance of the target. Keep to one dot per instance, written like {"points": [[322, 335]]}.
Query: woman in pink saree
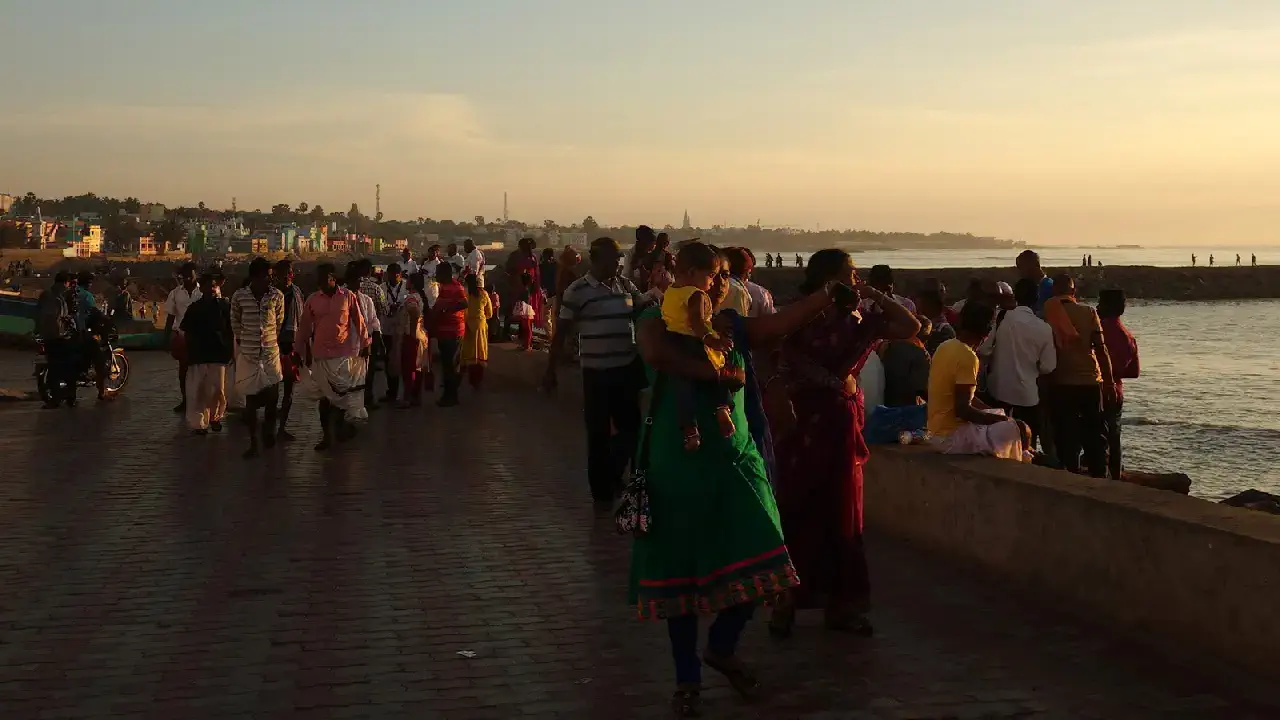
{"points": [[525, 260], [820, 459]]}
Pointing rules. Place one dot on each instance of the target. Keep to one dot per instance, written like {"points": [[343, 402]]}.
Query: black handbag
{"points": [[633, 515]]}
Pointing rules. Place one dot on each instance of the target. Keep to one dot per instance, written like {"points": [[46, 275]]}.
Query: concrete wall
{"points": [[1198, 579]]}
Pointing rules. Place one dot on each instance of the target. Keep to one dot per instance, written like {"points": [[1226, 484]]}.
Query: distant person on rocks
{"points": [[1210, 259], [1029, 267], [1193, 259], [959, 423], [1254, 260], [799, 261], [1237, 259], [449, 323], [768, 260], [290, 360], [210, 345], [881, 278], [175, 307], [56, 325], [1081, 383], [1022, 356], [929, 304], [820, 462], [335, 344], [257, 315], [599, 308], [1122, 349]]}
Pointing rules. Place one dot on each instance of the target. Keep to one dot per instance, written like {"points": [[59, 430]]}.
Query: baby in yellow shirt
{"points": [[687, 313]]}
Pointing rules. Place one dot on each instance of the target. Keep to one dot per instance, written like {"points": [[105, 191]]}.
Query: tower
{"points": [[377, 203], [687, 225], [505, 217], [233, 205]]}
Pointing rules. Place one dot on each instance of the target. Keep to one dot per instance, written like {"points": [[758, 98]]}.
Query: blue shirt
{"points": [[84, 302], [1046, 292]]}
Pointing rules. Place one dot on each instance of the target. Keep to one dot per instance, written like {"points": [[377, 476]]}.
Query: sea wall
{"points": [[1219, 283], [1197, 579]]}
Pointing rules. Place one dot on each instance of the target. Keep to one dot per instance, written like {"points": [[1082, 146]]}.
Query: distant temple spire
{"points": [[687, 225]]}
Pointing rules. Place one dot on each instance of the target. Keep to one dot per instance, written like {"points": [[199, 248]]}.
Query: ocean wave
{"points": [[1216, 429]]}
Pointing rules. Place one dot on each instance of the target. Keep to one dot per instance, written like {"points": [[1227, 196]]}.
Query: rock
{"points": [[1255, 500], [1173, 482]]}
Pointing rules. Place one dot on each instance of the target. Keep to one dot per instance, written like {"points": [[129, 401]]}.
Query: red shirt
{"points": [[450, 311], [1123, 350]]}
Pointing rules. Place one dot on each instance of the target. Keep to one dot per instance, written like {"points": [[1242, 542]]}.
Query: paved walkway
{"points": [[446, 564]]}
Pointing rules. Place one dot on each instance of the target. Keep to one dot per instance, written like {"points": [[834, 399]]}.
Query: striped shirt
{"points": [[605, 318], [256, 324]]}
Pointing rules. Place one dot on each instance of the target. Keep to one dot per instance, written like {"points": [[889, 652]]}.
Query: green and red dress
{"points": [[716, 539]]}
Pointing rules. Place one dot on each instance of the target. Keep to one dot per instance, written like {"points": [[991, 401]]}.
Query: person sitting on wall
{"points": [[959, 423]]}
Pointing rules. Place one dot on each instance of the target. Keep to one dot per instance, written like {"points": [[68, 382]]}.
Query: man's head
{"points": [[1026, 292], [1111, 303], [1028, 263], [366, 268], [205, 281], [880, 277], [284, 273], [351, 276], [929, 303], [605, 256], [720, 280], [975, 323], [62, 279], [407, 255], [1004, 296], [84, 280], [662, 242], [468, 245], [259, 274], [645, 237], [739, 262], [187, 275], [1064, 286], [327, 278], [433, 252], [451, 249], [393, 273]]}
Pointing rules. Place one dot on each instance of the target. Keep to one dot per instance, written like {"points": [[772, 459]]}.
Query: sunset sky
{"points": [[1144, 121]]}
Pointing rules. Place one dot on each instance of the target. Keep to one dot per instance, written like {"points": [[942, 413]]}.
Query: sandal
{"points": [[687, 703], [741, 678]]}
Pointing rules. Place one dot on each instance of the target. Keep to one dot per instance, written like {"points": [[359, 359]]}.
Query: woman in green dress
{"points": [[716, 544]]}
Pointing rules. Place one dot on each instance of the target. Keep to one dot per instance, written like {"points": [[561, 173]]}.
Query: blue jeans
{"points": [[722, 640]]}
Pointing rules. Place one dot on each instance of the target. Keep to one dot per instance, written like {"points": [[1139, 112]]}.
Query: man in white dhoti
{"points": [[959, 423], [257, 315], [334, 337], [206, 325]]}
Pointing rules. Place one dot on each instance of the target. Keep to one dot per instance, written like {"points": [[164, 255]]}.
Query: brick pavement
{"points": [[148, 574]]}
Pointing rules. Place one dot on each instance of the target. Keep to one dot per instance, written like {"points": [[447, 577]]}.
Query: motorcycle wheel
{"points": [[117, 372]]}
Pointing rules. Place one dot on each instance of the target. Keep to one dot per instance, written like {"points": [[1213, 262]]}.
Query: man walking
{"points": [[336, 348], [377, 292], [289, 360], [257, 315], [600, 307], [207, 328], [175, 306], [395, 291], [56, 326], [450, 324]]}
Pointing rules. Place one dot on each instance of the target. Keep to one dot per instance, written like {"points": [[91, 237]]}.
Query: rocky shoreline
{"points": [[1151, 283]]}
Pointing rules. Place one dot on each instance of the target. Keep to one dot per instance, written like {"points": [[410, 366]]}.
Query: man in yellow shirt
{"points": [[959, 423]]}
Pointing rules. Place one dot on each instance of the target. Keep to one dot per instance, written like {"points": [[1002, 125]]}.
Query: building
{"points": [[687, 225], [87, 242], [151, 213], [40, 233], [148, 245], [6, 203], [574, 239]]}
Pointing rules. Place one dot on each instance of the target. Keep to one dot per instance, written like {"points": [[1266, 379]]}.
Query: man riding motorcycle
{"points": [[91, 326], [56, 324]]}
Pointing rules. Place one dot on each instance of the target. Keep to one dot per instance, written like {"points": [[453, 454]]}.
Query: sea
{"points": [[1208, 401], [1050, 256]]}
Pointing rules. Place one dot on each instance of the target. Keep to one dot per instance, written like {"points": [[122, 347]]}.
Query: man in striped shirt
{"points": [[601, 307], [257, 315]]}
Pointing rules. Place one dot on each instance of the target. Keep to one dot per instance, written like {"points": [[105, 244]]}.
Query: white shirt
{"points": [[1022, 351], [474, 262], [370, 312], [175, 306], [409, 266], [457, 261], [429, 269], [432, 291], [395, 297], [761, 300]]}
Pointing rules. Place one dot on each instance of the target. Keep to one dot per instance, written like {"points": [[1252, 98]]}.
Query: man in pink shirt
{"points": [[334, 339]]}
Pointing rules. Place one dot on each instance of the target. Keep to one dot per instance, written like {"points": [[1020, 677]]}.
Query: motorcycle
{"points": [[87, 377]]}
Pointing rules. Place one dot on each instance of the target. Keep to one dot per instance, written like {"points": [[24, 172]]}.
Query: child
{"points": [[687, 312], [523, 311]]}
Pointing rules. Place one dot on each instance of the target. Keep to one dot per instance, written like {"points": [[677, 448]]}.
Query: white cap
{"points": [[1004, 288]]}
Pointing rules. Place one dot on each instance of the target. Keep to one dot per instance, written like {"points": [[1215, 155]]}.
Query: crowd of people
{"points": [[751, 447]]}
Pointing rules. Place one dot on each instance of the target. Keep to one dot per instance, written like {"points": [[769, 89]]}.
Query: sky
{"points": [[1148, 121]]}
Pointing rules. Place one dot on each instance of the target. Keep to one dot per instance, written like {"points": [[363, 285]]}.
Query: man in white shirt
{"points": [[454, 258], [407, 265], [1021, 353], [430, 263], [175, 308], [473, 260], [881, 278], [397, 290]]}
